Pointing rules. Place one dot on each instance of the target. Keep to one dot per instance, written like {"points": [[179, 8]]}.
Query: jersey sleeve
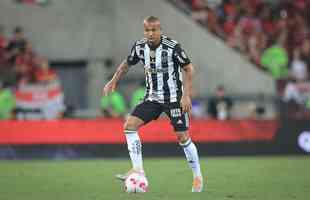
{"points": [[133, 58], [180, 56]]}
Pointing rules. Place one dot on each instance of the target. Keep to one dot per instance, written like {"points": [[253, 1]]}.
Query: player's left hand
{"points": [[186, 104]]}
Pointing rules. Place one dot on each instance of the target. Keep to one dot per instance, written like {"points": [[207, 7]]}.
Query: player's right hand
{"points": [[186, 104], [109, 87]]}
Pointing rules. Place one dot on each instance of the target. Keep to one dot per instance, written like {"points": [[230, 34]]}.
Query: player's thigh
{"points": [[147, 111], [179, 120], [133, 123]]}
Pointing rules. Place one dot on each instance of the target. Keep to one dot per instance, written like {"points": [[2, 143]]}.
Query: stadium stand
{"points": [[274, 35], [38, 92]]}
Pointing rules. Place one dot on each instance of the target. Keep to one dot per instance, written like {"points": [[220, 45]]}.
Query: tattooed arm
{"points": [[122, 69]]}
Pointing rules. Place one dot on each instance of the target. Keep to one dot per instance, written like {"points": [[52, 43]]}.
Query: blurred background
{"points": [[251, 87]]}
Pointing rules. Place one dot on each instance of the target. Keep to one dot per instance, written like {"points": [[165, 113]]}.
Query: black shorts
{"points": [[150, 110]]}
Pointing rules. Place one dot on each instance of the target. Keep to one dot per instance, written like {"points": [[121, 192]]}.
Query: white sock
{"points": [[192, 157], [135, 149]]}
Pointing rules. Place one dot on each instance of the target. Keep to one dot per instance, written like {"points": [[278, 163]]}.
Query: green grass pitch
{"points": [[235, 178]]}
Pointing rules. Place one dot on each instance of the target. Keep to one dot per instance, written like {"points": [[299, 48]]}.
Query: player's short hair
{"points": [[151, 19]]}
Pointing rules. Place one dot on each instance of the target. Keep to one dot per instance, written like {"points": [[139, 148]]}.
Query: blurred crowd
{"points": [[252, 26], [26, 80], [274, 35]]}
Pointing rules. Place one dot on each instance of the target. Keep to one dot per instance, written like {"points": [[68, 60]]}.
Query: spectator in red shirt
{"points": [[198, 4], [17, 43], [228, 18], [268, 25], [24, 64], [26, 55], [247, 27], [300, 5], [44, 73]]}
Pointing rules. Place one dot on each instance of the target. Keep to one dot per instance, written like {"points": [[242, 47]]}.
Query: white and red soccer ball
{"points": [[136, 183]]}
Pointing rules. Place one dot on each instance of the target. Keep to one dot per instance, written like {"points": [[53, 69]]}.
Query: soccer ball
{"points": [[136, 183]]}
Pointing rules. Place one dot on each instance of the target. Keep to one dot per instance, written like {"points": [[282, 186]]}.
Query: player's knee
{"points": [[182, 138], [131, 125]]}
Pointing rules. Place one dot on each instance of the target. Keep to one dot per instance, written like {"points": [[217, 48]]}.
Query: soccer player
{"points": [[163, 60]]}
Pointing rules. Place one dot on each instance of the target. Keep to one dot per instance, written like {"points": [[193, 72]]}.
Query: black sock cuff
{"points": [[130, 131], [186, 144]]}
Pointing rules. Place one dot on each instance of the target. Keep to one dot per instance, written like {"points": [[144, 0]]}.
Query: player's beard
{"points": [[153, 43], [150, 42]]}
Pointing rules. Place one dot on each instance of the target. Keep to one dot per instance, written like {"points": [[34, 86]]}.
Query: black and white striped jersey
{"points": [[162, 68]]}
